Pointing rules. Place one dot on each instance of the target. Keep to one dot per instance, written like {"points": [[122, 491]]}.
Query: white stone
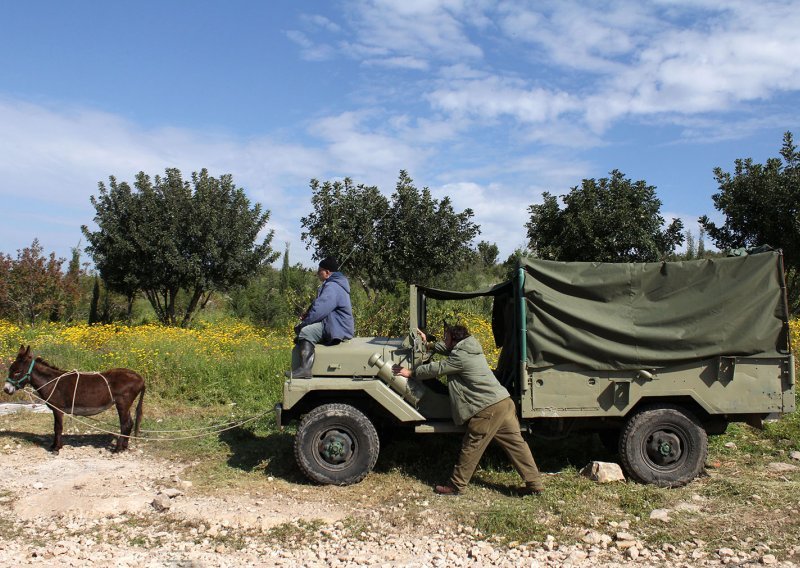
{"points": [[161, 503], [769, 559], [794, 455], [603, 472], [780, 467], [660, 515], [685, 507]]}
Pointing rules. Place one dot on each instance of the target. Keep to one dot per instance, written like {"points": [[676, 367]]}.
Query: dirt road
{"points": [[89, 507]]}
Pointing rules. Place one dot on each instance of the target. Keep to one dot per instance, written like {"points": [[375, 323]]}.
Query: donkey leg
{"points": [[58, 428], [125, 425]]}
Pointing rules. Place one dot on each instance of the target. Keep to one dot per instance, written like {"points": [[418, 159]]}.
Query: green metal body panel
{"points": [[721, 386], [294, 390]]}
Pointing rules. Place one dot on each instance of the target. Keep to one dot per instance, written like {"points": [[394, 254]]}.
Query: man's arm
{"points": [[322, 306], [447, 366]]}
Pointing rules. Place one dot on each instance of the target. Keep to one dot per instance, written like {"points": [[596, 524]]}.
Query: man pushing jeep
{"points": [[478, 400]]}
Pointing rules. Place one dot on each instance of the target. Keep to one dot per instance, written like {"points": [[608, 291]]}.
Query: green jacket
{"points": [[471, 383]]}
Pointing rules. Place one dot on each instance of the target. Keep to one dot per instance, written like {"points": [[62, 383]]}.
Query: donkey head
{"points": [[19, 372]]}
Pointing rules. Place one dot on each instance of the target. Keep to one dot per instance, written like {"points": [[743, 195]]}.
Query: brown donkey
{"points": [[81, 394]]}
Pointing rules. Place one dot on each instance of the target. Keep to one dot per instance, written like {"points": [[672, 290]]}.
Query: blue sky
{"points": [[488, 102]]}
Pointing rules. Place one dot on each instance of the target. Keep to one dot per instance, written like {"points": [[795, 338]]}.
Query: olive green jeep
{"points": [[654, 357]]}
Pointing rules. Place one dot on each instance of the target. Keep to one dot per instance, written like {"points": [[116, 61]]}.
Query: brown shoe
{"points": [[445, 490], [527, 490]]}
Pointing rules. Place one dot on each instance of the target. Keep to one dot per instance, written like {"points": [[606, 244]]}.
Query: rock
{"points": [[794, 455], [731, 445], [593, 537], [38, 485], [171, 492], [780, 467], [161, 503], [769, 559], [633, 553], [660, 515], [687, 507], [576, 557], [603, 472], [723, 552]]}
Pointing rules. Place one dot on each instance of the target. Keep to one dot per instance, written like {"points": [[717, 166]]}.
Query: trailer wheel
{"points": [[336, 444], [664, 445]]}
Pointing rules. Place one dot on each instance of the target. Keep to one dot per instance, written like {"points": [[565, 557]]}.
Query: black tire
{"points": [[336, 444], [664, 445]]}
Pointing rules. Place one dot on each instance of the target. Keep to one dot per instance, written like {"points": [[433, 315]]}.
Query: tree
{"points": [[761, 205], [413, 238], [488, 253], [32, 286], [167, 236], [606, 220], [425, 236], [346, 222]]}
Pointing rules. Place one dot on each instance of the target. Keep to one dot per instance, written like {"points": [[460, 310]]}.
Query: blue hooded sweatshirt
{"points": [[332, 307]]}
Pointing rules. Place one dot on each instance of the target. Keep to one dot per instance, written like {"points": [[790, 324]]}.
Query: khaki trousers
{"points": [[497, 422]]}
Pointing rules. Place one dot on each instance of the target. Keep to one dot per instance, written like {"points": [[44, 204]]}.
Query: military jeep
{"points": [[654, 357]]}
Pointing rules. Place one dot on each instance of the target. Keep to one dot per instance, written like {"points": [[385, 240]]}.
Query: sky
{"points": [[491, 103]]}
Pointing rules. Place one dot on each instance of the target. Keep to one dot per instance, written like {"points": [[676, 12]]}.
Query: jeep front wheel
{"points": [[664, 445], [336, 444]]}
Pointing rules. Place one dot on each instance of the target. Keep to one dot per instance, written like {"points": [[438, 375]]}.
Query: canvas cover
{"points": [[608, 316]]}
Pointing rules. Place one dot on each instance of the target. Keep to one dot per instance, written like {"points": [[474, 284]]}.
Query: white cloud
{"points": [[492, 97], [629, 59], [51, 161], [367, 155]]}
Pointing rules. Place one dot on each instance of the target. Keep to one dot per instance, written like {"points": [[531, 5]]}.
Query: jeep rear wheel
{"points": [[336, 444], [664, 445]]}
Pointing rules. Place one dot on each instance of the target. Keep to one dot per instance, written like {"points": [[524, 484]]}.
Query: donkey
{"points": [[81, 394]]}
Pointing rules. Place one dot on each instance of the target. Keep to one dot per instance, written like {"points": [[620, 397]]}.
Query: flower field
{"points": [[228, 361]]}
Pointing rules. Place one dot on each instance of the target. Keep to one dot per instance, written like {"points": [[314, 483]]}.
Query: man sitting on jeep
{"points": [[329, 320]]}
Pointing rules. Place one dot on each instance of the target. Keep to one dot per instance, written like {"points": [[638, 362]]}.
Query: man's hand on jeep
{"points": [[402, 371], [422, 335]]}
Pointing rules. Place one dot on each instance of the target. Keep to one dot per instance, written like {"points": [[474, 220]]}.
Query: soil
{"points": [[87, 506]]}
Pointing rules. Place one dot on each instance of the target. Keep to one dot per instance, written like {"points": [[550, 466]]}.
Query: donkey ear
{"points": [[28, 350], [21, 350]]}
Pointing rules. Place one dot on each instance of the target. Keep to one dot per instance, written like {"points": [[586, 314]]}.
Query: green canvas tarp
{"points": [[606, 316]]}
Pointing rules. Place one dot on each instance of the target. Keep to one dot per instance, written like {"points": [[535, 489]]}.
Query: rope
{"points": [[229, 426], [77, 380]]}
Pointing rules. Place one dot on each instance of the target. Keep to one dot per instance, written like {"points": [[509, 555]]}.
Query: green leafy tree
{"points": [[607, 220], [488, 253], [346, 222], [761, 205], [413, 238], [426, 236], [167, 237]]}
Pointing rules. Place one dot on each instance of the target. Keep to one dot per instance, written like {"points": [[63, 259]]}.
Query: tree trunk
{"points": [[196, 296]]}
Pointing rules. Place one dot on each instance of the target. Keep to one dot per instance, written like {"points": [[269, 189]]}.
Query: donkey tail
{"points": [[138, 418]]}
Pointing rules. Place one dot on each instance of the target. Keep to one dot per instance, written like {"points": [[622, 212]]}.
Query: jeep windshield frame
{"points": [[508, 321]]}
